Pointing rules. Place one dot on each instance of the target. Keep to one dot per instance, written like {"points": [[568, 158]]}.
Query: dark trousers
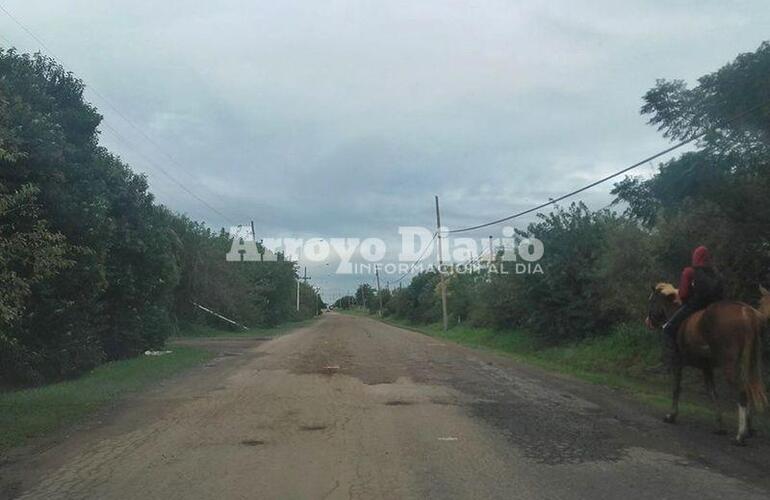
{"points": [[676, 320], [671, 354]]}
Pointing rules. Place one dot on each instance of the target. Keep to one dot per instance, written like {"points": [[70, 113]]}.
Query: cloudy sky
{"points": [[343, 118]]}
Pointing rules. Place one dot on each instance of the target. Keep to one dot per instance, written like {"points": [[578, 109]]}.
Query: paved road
{"points": [[352, 408]]}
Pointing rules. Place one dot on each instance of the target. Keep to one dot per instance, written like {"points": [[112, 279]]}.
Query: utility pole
{"points": [[254, 235], [379, 295], [303, 278], [440, 265], [491, 252]]}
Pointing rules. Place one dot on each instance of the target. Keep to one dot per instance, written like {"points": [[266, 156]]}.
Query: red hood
{"points": [[701, 257]]}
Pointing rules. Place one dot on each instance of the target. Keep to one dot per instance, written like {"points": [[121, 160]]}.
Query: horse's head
{"points": [[764, 302], [663, 300]]}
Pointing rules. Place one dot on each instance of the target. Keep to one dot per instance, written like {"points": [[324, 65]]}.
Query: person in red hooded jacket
{"points": [[699, 286]]}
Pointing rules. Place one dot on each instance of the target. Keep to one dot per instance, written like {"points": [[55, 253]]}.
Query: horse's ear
{"points": [[763, 291]]}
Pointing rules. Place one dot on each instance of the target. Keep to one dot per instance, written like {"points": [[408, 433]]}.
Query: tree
{"points": [[91, 268], [716, 195], [364, 295]]}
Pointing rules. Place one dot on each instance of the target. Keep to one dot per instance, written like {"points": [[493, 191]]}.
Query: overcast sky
{"points": [[344, 118]]}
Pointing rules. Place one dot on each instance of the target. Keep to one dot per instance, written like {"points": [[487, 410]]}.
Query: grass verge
{"points": [[30, 413]]}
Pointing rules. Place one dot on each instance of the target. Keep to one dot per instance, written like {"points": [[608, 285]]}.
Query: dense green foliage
{"points": [[345, 302], [598, 266], [91, 269]]}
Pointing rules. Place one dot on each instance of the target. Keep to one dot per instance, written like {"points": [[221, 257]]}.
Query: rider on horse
{"points": [[699, 286]]}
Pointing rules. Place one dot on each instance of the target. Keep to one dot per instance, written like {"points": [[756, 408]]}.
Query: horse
{"points": [[726, 335]]}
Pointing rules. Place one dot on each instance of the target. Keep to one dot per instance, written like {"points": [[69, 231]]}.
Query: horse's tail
{"points": [[751, 367]]}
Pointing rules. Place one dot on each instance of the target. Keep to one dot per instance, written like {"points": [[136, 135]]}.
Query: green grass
{"points": [[628, 359], [354, 311], [30, 413], [204, 331]]}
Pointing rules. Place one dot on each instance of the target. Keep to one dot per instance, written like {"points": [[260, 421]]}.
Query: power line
{"points": [[417, 261], [467, 263], [612, 176], [114, 108], [477, 258], [167, 174], [27, 30]]}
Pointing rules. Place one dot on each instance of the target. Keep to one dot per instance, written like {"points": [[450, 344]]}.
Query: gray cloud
{"points": [[343, 118]]}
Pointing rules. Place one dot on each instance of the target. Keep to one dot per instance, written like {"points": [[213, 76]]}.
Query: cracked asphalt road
{"points": [[352, 408]]}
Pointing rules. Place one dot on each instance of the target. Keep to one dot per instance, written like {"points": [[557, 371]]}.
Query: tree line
{"points": [[599, 265], [92, 269]]}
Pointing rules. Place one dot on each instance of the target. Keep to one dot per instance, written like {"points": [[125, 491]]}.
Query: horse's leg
{"points": [[676, 373], [730, 367], [749, 424], [743, 417], [708, 378]]}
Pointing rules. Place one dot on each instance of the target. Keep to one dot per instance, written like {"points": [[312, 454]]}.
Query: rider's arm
{"points": [[685, 282]]}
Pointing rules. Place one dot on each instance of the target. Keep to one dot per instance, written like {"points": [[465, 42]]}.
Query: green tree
{"points": [[717, 194]]}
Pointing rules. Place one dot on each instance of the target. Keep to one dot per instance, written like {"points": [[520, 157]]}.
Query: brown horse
{"points": [[724, 335]]}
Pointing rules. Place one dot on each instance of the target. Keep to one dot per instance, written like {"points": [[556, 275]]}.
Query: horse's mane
{"points": [[666, 289]]}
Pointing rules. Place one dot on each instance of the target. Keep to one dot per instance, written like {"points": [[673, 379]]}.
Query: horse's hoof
{"points": [[720, 432], [740, 442], [670, 419]]}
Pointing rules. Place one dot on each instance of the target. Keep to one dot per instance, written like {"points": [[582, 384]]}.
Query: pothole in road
{"points": [[398, 403], [442, 401], [252, 442], [312, 427]]}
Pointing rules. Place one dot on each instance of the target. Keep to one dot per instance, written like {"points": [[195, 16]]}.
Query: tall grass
{"points": [[629, 350]]}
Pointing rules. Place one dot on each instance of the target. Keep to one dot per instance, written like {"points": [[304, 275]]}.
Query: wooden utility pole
{"points": [[379, 295], [491, 263], [305, 277], [440, 265], [254, 235]]}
